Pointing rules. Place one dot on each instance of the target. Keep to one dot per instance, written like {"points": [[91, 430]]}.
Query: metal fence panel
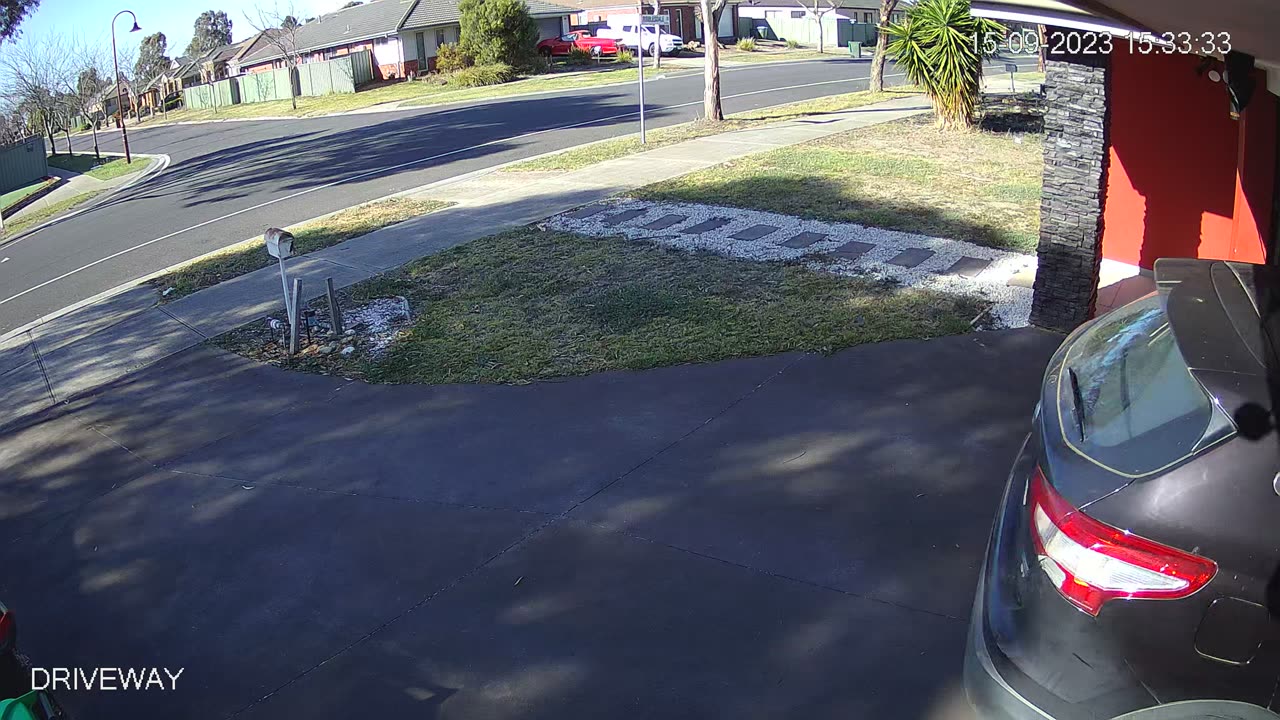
{"points": [[22, 164], [338, 75], [265, 86]]}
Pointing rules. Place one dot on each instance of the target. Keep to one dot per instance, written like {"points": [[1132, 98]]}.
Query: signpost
{"points": [[658, 21], [1011, 68]]}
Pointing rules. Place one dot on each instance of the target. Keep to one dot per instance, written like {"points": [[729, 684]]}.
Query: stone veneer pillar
{"points": [[1076, 147]]}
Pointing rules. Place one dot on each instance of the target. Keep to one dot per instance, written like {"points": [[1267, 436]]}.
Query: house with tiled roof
{"points": [[402, 36]]}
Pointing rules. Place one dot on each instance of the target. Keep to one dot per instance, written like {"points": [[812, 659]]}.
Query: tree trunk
{"points": [[94, 126], [882, 44], [66, 132], [711, 109], [53, 141]]}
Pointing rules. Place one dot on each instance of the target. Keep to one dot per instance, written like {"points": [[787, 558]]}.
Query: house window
{"points": [[866, 18], [797, 14], [440, 37]]}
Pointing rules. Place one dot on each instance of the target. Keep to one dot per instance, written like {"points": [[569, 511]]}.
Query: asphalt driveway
{"points": [[791, 536]]}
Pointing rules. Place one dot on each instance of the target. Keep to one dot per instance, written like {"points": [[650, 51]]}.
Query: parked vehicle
{"points": [[17, 700], [625, 30], [1134, 565], [580, 39]]}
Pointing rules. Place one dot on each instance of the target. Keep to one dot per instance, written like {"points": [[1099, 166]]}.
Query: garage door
{"points": [[549, 28]]}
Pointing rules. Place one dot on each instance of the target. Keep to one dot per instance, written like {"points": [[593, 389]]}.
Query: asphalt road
{"points": [[229, 181]]}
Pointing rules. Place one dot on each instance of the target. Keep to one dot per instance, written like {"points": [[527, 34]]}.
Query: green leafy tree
{"points": [[498, 31], [935, 46], [152, 60], [12, 13], [212, 30]]}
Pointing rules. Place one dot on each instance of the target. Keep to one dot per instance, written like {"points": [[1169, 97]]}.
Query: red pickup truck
{"points": [[581, 39]]}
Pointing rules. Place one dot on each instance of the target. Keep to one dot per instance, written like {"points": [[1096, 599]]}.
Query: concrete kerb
{"points": [[160, 165], [417, 191]]}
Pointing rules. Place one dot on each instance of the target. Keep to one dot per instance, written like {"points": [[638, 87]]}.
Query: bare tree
{"points": [[279, 29], [882, 43], [33, 73], [710, 11], [85, 85], [819, 14]]}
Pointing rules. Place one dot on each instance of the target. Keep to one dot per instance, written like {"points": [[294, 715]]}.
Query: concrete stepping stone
{"points": [[968, 266], [622, 217], [805, 239], [665, 222], [706, 226], [853, 250], [587, 211], [911, 257], [755, 232]]}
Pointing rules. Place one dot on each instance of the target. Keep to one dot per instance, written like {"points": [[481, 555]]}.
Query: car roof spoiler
{"points": [[1225, 317]]}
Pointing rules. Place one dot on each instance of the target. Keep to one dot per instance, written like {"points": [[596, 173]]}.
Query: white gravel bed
{"points": [[1011, 305]]}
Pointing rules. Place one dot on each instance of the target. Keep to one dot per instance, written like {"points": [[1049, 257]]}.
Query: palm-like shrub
{"points": [[935, 45]]}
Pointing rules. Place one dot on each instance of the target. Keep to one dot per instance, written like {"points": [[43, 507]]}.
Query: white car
{"points": [[625, 34]]}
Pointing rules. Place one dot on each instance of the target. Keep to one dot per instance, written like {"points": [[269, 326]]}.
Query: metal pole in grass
{"points": [[128, 159], [295, 318], [640, 65]]}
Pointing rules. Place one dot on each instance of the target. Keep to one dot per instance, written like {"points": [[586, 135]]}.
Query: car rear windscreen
{"points": [[1134, 407]]}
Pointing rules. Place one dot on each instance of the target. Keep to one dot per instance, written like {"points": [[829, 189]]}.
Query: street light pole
{"points": [[115, 63]]}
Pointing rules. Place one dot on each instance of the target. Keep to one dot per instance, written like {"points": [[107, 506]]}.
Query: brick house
{"points": [[401, 35], [1145, 154], [685, 18]]}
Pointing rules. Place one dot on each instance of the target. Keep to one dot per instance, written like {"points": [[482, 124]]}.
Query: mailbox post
{"points": [[280, 246]]}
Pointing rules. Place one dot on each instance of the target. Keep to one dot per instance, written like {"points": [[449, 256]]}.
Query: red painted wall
{"points": [[1176, 184]]}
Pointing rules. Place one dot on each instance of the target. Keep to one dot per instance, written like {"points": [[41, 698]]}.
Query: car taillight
{"points": [[6, 628], [1091, 562]]}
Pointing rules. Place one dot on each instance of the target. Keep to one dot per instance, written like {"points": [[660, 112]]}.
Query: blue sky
{"points": [[91, 19]]}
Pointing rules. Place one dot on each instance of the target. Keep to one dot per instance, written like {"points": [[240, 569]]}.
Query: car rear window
{"points": [[1141, 409]]}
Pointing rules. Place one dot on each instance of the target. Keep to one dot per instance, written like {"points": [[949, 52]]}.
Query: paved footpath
{"points": [[61, 357]]}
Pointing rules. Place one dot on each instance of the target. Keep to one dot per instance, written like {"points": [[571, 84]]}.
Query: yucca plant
{"points": [[935, 44]]}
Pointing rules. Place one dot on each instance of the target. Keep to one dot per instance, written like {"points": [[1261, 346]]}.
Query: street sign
{"points": [[659, 20]]}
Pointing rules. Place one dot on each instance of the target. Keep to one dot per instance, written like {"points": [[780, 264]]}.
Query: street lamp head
{"points": [[135, 27]]}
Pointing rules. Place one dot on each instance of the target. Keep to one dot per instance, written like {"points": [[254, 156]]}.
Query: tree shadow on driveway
{"points": [[792, 536]]}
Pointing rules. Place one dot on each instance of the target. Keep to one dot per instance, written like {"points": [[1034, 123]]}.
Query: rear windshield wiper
{"points": [[1077, 405]]}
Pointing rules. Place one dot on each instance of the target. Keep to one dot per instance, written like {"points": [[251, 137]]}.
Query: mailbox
{"points": [[279, 243]]}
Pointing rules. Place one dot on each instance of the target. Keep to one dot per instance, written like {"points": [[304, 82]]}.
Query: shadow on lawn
{"points": [[371, 550]]}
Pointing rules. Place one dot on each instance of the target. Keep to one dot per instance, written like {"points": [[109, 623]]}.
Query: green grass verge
{"points": [[529, 305], [14, 196], [251, 255], [980, 186], [415, 93], [38, 215], [108, 168], [586, 155]]}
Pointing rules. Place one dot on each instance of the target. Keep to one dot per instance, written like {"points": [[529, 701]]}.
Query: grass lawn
{"points": [[108, 168], [415, 93], [609, 149], [981, 186], [529, 305], [14, 196], [41, 214], [252, 254]]}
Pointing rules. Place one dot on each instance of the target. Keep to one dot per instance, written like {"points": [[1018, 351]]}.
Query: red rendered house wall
{"points": [[1185, 180]]}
